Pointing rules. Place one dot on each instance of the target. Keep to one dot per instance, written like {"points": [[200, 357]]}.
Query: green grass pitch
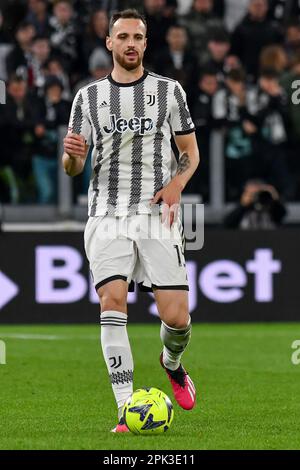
{"points": [[55, 392]]}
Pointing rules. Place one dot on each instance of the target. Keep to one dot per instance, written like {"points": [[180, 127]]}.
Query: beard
{"points": [[127, 64]]}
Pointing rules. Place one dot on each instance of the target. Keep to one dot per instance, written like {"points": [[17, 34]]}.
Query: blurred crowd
{"points": [[238, 60]]}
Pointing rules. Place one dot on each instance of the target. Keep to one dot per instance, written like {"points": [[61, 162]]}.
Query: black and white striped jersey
{"points": [[130, 127]]}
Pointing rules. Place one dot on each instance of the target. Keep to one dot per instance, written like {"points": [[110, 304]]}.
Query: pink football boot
{"points": [[183, 388], [121, 426]]}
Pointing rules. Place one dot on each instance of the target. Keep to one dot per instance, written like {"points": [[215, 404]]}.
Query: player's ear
{"points": [[109, 43], [145, 46]]}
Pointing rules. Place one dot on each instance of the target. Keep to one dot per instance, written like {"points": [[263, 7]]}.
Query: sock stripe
{"points": [[115, 321], [113, 318], [109, 323]]}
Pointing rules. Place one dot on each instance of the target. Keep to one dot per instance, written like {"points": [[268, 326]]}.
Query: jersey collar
{"points": [[136, 82]]}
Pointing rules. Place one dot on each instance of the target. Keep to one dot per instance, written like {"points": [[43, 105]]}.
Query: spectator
{"points": [[219, 7], [261, 122], [184, 6], [274, 57], [259, 208], [254, 33], [294, 110], [203, 119], [230, 109], [292, 40], [38, 16], [118, 5], [4, 36], [64, 33], [157, 26], [100, 65], [5, 48], [85, 8], [9, 191], [289, 84], [14, 12], [40, 55], [50, 113], [16, 125], [200, 23], [235, 11], [217, 50], [177, 61], [95, 36], [282, 11], [18, 60], [270, 120], [55, 66], [170, 10]]}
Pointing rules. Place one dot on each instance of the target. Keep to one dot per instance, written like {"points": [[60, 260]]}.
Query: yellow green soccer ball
{"points": [[148, 411]]}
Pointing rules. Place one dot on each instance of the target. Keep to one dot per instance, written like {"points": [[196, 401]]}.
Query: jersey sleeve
{"points": [[180, 117], [79, 122]]}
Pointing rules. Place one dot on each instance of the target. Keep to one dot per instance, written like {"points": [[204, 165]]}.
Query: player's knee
{"points": [[178, 317], [113, 296], [179, 324], [112, 301]]}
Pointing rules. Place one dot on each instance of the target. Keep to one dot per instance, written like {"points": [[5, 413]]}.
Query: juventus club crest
{"points": [[151, 98], [116, 362]]}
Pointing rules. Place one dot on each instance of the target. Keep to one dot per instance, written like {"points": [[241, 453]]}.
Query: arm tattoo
{"points": [[183, 164]]}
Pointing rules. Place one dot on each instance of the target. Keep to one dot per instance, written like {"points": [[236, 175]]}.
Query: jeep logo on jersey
{"points": [[134, 124]]}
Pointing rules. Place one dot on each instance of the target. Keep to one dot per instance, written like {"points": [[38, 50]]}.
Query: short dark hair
{"points": [[126, 14], [208, 70], [236, 75], [219, 36], [41, 37], [51, 81], [177, 26], [293, 23], [24, 24], [269, 73], [55, 2], [15, 78]]}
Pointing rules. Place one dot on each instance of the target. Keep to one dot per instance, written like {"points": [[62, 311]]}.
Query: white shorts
{"points": [[136, 248]]}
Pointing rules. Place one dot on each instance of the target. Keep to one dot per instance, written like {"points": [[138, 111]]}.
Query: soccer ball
{"points": [[148, 411]]}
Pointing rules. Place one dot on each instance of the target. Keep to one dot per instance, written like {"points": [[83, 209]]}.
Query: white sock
{"points": [[117, 354], [175, 341]]}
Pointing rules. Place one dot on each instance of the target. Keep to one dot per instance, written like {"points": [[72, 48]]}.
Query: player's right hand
{"points": [[74, 145]]}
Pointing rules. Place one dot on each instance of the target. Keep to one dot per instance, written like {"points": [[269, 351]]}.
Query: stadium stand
{"points": [[239, 70]]}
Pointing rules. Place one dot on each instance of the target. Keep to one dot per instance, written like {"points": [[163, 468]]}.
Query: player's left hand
{"points": [[170, 195]]}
